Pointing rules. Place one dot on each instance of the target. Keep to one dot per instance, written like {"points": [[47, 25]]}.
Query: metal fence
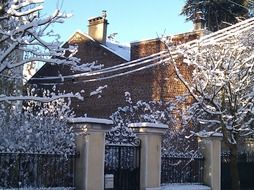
{"points": [[245, 164], [36, 170], [182, 170]]}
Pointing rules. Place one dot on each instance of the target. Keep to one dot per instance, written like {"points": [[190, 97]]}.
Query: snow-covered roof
{"points": [[121, 50], [180, 35], [163, 56]]}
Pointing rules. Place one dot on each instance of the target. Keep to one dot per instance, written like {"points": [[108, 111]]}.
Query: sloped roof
{"points": [[121, 50], [161, 57], [89, 51]]}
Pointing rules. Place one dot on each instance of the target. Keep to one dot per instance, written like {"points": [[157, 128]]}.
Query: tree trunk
{"points": [[235, 183]]}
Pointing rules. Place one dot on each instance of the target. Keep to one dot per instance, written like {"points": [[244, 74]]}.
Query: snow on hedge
{"points": [[37, 128]]}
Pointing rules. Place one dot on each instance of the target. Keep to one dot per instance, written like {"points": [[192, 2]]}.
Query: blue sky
{"points": [[133, 19]]}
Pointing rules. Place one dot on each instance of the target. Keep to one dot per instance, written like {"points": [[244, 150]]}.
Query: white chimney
{"points": [[97, 28]]}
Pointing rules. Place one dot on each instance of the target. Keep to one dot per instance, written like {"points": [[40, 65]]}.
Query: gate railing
{"points": [[242, 157], [245, 164], [122, 156], [182, 170], [36, 170], [123, 162]]}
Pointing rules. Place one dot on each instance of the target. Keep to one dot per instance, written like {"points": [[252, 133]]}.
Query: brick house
{"points": [[154, 83]]}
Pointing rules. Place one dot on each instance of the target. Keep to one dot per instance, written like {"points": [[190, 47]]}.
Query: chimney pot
{"points": [[104, 14]]}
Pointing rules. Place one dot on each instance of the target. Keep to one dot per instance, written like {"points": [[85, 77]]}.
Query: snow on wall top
{"points": [[90, 120], [146, 124], [209, 134]]}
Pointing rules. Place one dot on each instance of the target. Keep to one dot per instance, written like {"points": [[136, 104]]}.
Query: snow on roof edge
{"points": [[173, 35], [117, 53], [104, 46]]}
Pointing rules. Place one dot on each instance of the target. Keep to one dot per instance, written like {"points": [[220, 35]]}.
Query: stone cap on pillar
{"points": [[91, 124], [145, 127], [209, 135]]}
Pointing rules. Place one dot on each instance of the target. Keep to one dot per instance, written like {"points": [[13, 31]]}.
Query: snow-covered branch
{"points": [[221, 84], [25, 37], [34, 130], [158, 112], [39, 99]]}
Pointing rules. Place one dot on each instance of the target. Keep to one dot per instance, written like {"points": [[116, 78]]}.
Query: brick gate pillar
{"points": [[211, 150], [89, 172], [150, 135]]}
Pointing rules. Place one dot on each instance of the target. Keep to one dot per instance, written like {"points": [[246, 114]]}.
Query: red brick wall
{"points": [[156, 83], [146, 48], [149, 47]]}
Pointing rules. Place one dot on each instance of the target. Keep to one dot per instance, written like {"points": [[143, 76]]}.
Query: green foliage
{"points": [[218, 14]]}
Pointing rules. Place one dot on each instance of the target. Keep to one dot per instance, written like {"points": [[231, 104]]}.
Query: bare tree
{"points": [[222, 88]]}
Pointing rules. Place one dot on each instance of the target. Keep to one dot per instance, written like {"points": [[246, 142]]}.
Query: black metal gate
{"points": [[122, 160], [245, 168]]}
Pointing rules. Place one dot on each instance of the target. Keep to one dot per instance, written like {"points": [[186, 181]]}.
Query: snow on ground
{"points": [[34, 188], [184, 187], [163, 187]]}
